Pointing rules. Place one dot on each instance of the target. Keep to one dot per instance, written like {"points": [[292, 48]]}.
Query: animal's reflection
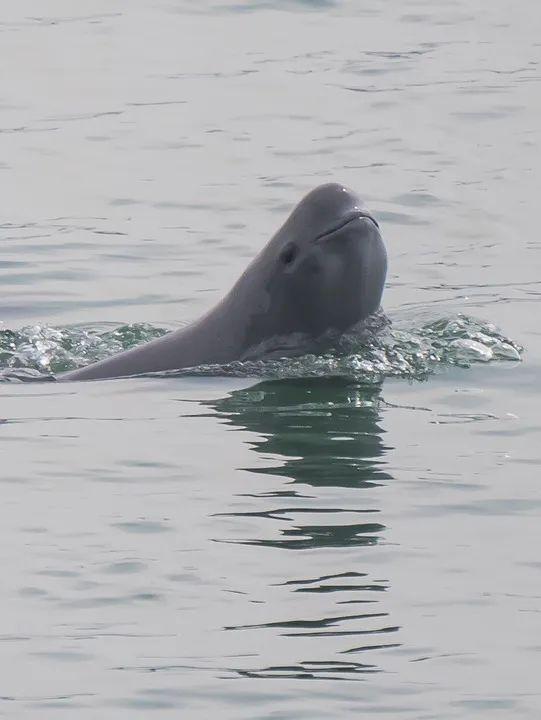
{"points": [[327, 434], [326, 429]]}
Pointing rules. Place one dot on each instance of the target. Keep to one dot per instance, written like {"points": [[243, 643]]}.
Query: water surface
{"points": [[265, 547]]}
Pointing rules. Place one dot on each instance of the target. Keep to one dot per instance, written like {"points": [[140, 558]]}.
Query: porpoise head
{"points": [[324, 270], [321, 274]]}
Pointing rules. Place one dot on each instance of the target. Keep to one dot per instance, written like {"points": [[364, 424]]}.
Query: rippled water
{"points": [[368, 521]]}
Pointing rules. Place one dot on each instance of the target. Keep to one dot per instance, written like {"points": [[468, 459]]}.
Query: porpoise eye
{"points": [[288, 254]]}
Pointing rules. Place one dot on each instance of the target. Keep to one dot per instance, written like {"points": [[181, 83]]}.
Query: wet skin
{"points": [[322, 273]]}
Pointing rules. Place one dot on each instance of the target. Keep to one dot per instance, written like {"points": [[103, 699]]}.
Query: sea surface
{"points": [[323, 538]]}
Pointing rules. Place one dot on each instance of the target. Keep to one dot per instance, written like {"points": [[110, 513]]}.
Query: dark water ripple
{"points": [[303, 418]]}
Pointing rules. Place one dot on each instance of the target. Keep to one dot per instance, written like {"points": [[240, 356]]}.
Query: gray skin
{"points": [[322, 273]]}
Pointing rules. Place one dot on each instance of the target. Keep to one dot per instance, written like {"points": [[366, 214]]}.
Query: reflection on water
{"points": [[326, 433], [326, 429]]}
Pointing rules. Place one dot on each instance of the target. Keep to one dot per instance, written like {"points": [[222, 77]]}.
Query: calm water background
{"points": [[242, 549]]}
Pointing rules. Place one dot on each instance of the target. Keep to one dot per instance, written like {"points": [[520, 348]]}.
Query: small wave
{"points": [[38, 352], [414, 354]]}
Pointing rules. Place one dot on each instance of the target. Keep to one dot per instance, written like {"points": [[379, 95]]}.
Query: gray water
{"points": [[344, 545]]}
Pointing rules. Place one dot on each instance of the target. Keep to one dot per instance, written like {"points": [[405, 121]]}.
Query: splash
{"points": [[390, 352], [39, 352]]}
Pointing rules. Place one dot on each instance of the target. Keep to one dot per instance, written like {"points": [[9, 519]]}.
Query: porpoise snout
{"points": [[344, 222], [331, 207]]}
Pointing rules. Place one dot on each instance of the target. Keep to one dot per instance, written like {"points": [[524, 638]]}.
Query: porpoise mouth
{"points": [[351, 217]]}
